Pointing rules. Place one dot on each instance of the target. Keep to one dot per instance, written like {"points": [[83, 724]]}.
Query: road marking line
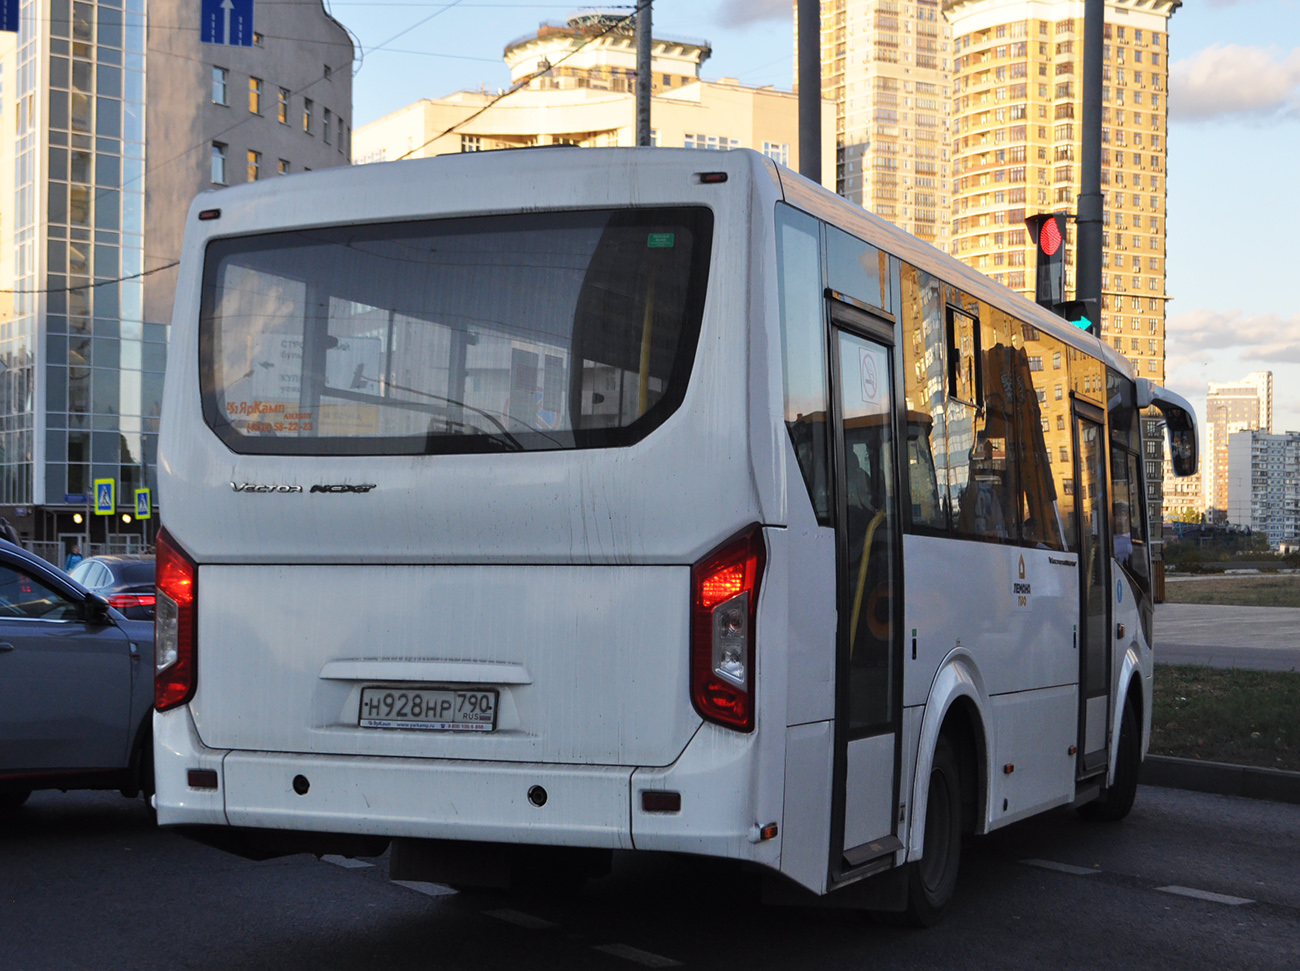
{"points": [[1078, 871], [428, 889], [645, 958], [347, 862], [520, 919], [1217, 898]]}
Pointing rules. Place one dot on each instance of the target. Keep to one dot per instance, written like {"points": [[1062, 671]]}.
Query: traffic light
{"points": [[1081, 313], [1047, 230]]}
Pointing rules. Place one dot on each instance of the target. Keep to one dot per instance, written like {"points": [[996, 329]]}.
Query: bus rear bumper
{"points": [[484, 802], [540, 804]]}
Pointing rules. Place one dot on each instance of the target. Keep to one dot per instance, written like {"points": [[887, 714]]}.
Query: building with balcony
{"points": [[1017, 144], [885, 65], [575, 84]]}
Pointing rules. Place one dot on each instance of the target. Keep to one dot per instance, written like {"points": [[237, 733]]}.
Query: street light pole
{"points": [[644, 75], [810, 89], [1088, 222]]}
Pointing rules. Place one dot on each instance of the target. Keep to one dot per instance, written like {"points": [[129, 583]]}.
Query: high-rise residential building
{"points": [[575, 84], [885, 65], [95, 221], [1017, 143], [1263, 476], [1231, 406]]}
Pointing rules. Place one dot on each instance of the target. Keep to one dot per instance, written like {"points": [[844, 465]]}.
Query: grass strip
{"points": [[1227, 715], [1253, 590]]}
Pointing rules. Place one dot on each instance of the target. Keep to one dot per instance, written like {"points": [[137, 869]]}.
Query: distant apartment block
{"points": [[1263, 478], [1230, 407], [576, 85]]}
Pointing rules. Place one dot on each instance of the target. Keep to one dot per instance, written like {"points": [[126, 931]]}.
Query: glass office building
{"points": [[83, 345], [82, 377]]}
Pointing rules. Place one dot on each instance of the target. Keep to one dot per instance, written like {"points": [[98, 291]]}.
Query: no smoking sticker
{"points": [[870, 377]]}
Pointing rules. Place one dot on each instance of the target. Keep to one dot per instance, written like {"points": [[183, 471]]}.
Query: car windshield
{"points": [[497, 333]]}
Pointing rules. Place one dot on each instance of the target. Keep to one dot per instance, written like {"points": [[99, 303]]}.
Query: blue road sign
{"points": [[104, 505], [227, 22], [143, 504], [75, 498], [9, 15]]}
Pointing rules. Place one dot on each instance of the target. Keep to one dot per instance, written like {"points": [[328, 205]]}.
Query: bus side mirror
{"points": [[1180, 420]]}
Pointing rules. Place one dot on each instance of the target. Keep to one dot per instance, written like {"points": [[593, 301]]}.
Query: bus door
{"points": [[868, 693], [1094, 596]]}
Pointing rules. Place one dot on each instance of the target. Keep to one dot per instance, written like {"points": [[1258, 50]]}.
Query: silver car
{"points": [[76, 686]]}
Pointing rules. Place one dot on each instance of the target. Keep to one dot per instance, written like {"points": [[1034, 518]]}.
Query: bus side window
{"points": [[922, 332], [1045, 445], [803, 348]]}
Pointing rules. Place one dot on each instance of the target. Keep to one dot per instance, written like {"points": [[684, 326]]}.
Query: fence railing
{"points": [[57, 554]]}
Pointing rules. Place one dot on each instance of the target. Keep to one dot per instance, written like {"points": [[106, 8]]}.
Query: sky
{"points": [[1234, 145]]}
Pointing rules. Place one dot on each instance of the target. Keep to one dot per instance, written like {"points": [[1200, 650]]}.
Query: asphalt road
{"points": [[86, 881], [1259, 638]]}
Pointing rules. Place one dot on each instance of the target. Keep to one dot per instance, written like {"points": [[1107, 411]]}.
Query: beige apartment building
{"points": [[1017, 144], [575, 85], [885, 65]]}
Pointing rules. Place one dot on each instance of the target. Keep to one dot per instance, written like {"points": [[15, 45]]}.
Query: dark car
{"points": [[76, 686], [125, 580]]}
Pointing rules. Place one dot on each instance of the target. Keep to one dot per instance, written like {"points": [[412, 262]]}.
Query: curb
{"points": [[1220, 778]]}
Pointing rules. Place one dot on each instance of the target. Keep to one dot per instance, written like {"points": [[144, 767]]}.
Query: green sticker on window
{"points": [[661, 240]]}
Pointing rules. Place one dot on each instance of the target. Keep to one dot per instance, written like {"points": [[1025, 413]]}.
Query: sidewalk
{"points": [[1257, 638], [1220, 778]]}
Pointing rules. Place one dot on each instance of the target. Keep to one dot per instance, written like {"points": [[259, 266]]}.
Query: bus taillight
{"points": [[175, 623], [724, 592]]}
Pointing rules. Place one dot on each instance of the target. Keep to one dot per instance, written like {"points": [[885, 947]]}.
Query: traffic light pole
{"points": [[809, 44], [1088, 223]]}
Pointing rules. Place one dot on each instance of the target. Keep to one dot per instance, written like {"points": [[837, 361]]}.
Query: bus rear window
{"points": [[499, 333]]}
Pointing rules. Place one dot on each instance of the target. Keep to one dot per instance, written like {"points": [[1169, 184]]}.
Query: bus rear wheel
{"points": [[933, 878]]}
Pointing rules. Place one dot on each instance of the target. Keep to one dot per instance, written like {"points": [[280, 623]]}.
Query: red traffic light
{"points": [[1050, 238]]}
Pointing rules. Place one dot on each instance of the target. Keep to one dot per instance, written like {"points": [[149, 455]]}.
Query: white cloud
{"points": [[1204, 346], [1232, 81], [738, 13]]}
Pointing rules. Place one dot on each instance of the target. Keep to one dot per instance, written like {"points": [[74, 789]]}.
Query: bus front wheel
{"points": [[1117, 799], [933, 878]]}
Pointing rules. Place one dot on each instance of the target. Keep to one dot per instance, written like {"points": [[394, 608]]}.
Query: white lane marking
{"points": [[1217, 898], [1078, 871], [644, 958], [428, 889], [520, 919], [347, 862]]}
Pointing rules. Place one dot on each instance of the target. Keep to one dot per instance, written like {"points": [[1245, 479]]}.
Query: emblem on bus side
{"points": [[257, 487]]}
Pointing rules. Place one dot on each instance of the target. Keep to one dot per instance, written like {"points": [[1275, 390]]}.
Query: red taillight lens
{"points": [[175, 625], [123, 601], [724, 592]]}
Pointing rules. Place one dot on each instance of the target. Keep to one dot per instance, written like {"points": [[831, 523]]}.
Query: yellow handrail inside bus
{"points": [[862, 579], [647, 327]]}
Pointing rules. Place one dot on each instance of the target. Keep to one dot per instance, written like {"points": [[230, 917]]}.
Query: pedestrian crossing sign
{"points": [[104, 497], [143, 504]]}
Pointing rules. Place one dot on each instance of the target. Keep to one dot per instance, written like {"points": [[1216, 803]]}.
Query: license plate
{"points": [[429, 709]]}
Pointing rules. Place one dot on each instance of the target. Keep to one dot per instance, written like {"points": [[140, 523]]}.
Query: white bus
{"points": [[623, 499]]}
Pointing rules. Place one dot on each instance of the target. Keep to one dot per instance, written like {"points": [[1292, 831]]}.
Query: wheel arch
{"points": [[1131, 680], [958, 707]]}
